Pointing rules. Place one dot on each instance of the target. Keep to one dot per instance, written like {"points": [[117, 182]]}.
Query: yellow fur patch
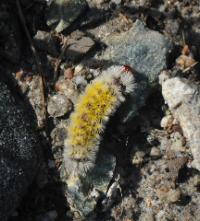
{"points": [[87, 121]]}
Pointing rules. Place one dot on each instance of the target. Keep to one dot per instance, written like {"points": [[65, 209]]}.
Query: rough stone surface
{"points": [[183, 100], [44, 41], [62, 13], [59, 105], [19, 159], [83, 194], [36, 99], [78, 45], [155, 152], [144, 50]]}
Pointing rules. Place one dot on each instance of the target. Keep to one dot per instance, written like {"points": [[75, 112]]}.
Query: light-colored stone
{"points": [[177, 142], [138, 157], [59, 105], [155, 152], [166, 121], [183, 99], [168, 195]]}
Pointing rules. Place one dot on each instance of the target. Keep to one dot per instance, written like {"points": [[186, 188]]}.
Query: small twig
{"points": [[22, 19], [183, 38], [60, 58], [37, 60], [190, 67]]}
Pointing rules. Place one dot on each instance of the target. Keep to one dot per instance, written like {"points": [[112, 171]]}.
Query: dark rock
{"points": [[61, 13], [19, 158], [59, 134], [10, 44], [83, 193], [45, 42], [78, 45]]}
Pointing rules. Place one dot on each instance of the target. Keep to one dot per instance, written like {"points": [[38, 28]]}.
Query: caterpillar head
{"points": [[120, 76]]}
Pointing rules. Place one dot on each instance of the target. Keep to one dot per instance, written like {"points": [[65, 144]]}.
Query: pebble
{"points": [[59, 134], [177, 142], [166, 121], [168, 195], [173, 195], [147, 217], [80, 82], [59, 105], [78, 69], [138, 157], [69, 73], [155, 152]]}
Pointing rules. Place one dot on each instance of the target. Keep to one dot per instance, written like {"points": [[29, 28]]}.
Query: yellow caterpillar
{"points": [[93, 109]]}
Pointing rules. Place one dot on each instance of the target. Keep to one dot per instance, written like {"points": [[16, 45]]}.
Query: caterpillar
{"points": [[94, 107]]}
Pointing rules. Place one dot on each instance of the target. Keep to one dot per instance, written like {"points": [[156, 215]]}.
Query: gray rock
{"points": [[19, 158], [155, 152], [144, 50], [58, 134], [59, 105], [183, 100], [35, 95], [84, 193], [78, 44], [168, 195], [61, 13], [44, 41]]}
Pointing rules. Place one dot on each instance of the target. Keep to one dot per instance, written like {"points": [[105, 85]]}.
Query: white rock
{"points": [[166, 120], [183, 99]]}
